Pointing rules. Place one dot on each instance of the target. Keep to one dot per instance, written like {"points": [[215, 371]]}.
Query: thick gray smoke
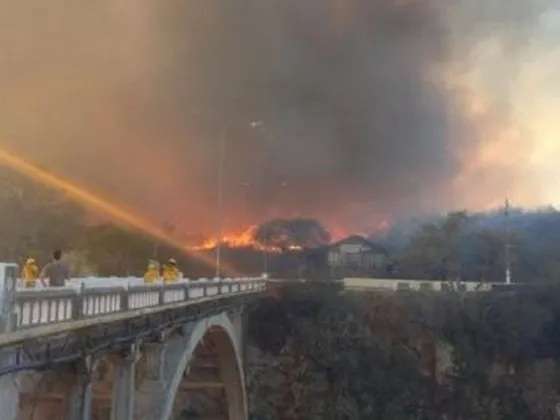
{"points": [[358, 124], [354, 123]]}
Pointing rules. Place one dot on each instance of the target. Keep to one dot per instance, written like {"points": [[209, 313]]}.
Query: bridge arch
{"points": [[228, 351]]}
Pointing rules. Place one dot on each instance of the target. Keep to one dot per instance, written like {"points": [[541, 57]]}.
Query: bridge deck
{"points": [[56, 325]]}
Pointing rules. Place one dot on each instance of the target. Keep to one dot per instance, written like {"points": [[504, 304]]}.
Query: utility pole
{"points": [[507, 245]]}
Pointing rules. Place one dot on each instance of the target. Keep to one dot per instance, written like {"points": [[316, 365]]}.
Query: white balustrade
{"points": [[92, 297], [99, 302], [34, 309], [171, 295]]}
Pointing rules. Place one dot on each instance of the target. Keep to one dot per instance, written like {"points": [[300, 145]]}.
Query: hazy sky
{"points": [[372, 108]]}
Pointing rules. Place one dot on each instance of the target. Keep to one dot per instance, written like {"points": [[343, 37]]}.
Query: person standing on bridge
{"points": [[29, 273], [152, 273], [170, 271], [56, 271]]}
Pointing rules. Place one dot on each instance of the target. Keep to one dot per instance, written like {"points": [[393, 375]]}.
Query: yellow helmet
{"points": [[30, 260]]}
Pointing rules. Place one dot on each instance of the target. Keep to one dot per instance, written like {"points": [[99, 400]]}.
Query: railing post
{"points": [[77, 303], [187, 289], [124, 298], [162, 293]]}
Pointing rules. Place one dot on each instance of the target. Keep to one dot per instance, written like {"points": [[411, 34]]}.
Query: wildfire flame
{"points": [[244, 239]]}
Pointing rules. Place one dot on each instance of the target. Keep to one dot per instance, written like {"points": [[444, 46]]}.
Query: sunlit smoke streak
{"points": [[103, 206]]}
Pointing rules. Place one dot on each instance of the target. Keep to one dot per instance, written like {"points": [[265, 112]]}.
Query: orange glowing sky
{"points": [[82, 95]]}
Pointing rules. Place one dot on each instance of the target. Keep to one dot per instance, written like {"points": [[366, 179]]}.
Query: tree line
{"points": [[326, 355], [473, 247]]}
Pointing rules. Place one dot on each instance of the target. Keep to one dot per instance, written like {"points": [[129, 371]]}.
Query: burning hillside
{"points": [[278, 235], [244, 239]]}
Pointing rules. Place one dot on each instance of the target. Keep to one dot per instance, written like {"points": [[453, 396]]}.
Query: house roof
{"points": [[352, 239]]}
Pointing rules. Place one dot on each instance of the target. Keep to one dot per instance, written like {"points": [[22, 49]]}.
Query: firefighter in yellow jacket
{"points": [[152, 272], [29, 273], [170, 271]]}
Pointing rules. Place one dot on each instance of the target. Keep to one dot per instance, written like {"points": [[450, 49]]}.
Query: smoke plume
{"points": [[369, 109]]}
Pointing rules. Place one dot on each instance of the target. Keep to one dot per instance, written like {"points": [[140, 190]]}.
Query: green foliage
{"points": [[435, 250], [381, 356], [334, 365], [456, 248]]}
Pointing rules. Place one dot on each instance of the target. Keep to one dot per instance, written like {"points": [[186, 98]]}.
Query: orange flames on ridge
{"points": [[244, 239]]}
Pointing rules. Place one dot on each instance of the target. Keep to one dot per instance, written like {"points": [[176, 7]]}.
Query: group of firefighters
{"points": [[169, 272]]}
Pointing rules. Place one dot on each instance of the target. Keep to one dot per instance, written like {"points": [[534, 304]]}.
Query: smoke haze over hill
{"points": [[372, 109]]}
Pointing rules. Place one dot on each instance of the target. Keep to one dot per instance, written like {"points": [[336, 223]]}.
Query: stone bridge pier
{"points": [[193, 370]]}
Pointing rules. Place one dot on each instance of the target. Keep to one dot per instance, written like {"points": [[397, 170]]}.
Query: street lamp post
{"points": [[220, 198], [220, 192], [254, 125]]}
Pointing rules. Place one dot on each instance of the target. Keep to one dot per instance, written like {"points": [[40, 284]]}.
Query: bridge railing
{"points": [[34, 307]]}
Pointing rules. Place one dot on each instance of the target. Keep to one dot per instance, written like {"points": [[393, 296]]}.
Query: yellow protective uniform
{"points": [[152, 274], [29, 274], [170, 273]]}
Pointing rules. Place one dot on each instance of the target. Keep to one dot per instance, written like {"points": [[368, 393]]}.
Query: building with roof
{"points": [[351, 256]]}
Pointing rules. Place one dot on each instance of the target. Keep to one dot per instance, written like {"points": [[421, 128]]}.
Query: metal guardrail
{"points": [[393, 285], [34, 307]]}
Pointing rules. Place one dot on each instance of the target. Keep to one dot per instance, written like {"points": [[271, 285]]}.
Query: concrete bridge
{"points": [[121, 350]]}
